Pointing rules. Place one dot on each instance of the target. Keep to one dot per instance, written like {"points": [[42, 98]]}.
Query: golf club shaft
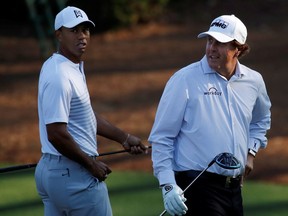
{"points": [[210, 164], [27, 166], [16, 168], [194, 180]]}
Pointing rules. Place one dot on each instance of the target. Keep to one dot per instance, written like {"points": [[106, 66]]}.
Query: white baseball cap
{"points": [[226, 28], [70, 16]]}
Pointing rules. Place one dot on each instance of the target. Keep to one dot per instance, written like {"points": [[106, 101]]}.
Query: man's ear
{"points": [[58, 35], [237, 53]]}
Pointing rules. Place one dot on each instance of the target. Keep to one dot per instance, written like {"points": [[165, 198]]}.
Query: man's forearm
{"points": [[64, 143], [106, 129]]}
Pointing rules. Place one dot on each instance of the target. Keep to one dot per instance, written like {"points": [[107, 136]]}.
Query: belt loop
{"points": [[48, 156]]}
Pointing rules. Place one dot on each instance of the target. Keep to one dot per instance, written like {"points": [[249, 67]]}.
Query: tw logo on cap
{"points": [[220, 23], [78, 13]]}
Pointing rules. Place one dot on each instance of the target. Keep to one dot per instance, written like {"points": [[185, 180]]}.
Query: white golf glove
{"points": [[174, 199]]}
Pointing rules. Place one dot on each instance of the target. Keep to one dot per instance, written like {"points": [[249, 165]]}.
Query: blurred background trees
{"points": [[36, 17]]}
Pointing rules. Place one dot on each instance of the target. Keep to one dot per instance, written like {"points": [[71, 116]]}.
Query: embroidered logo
{"points": [[78, 13], [220, 23], [213, 91], [168, 188]]}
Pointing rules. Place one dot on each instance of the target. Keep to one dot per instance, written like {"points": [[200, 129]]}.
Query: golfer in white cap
{"points": [[68, 177], [209, 107]]}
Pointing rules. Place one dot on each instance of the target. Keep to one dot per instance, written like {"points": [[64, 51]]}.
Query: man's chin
{"points": [[215, 66]]}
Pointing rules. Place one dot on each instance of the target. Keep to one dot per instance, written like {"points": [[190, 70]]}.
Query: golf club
{"points": [[27, 166], [225, 160]]}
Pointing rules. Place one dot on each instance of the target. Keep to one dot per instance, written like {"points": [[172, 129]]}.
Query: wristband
{"points": [[126, 141], [252, 152]]}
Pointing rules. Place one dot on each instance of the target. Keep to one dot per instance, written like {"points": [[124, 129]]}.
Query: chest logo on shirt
{"points": [[213, 91]]}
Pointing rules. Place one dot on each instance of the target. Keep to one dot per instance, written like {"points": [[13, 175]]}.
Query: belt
{"points": [[213, 178]]}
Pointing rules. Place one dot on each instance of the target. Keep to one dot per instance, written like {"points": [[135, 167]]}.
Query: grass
{"points": [[133, 193], [265, 199], [18, 194]]}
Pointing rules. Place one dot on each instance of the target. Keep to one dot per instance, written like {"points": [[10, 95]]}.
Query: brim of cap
{"points": [[218, 36], [75, 23]]}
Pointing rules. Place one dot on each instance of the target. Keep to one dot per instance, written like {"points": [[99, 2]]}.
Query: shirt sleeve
{"points": [[261, 119], [168, 121], [56, 99]]}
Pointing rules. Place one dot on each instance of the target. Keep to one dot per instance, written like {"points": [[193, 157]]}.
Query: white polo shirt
{"points": [[63, 97], [202, 114]]}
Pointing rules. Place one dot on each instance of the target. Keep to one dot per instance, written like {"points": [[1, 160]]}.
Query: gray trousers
{"points": [[68, 189]]}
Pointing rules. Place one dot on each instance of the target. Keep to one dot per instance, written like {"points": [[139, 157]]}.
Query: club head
{"points": [[227, 161]]}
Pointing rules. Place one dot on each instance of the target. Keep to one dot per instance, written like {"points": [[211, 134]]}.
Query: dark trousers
{"points": [[211, 194]]}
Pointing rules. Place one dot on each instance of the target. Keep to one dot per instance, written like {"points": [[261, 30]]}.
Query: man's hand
{"points": [[99, 170], [174, 199], [134, 145], [249, 165]]}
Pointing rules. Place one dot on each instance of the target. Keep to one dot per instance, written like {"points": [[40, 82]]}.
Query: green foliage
{"points": [[130, 12], [109, 14]]}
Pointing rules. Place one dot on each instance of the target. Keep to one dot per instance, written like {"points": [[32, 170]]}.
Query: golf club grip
{"points": [[27, 166]]}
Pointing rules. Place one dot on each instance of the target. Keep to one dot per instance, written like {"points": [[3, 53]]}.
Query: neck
{"points": [[228, 70], [68, 55], [227, 74]]}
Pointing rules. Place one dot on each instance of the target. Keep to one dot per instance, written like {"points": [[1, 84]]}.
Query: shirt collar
{"points": [[240, 72]]}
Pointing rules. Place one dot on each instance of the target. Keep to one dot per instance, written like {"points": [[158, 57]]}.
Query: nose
{"points": [[213, 44], [81, 35]]}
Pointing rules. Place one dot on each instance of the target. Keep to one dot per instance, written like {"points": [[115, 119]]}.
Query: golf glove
{"points": [[174, 199]]}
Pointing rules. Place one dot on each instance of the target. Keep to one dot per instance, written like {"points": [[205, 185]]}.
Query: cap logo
{"points": [[220, 23], [78, 13]]}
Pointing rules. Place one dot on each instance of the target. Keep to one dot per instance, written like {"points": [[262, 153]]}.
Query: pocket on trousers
{"points": [[57, 185]]}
